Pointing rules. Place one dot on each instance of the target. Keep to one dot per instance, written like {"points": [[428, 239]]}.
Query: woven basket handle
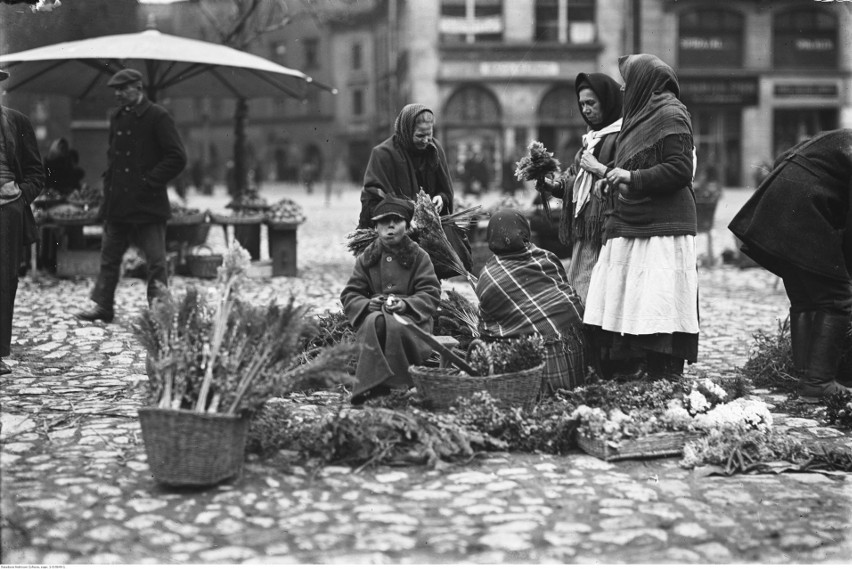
{"points": [[199, 250], [477, 343]]}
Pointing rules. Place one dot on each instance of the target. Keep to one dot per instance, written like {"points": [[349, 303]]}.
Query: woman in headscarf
{"points": [[643, 292], [524, 290], [411, 160], [582, 189]]}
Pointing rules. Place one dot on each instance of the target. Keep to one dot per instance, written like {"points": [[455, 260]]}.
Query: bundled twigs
{"points": [[427, 228]]}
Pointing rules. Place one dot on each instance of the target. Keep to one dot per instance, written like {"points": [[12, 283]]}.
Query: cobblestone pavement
{"points": [[76, 486]]}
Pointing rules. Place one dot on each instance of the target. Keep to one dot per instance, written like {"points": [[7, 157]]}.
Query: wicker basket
{"points": [[203, 266], [442, 386], [186, 448], [649, 446]]}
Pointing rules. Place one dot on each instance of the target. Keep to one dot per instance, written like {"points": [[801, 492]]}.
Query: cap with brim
{"points": [[396, 207], [3, 75], [124, 77]]}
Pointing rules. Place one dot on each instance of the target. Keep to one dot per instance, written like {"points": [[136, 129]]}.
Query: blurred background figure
{"points": [[62, 169]]}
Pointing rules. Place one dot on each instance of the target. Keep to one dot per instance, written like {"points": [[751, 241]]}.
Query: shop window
{"points": [[357, 102], [711, 38], [565, 21], [471, 21], [805, 38], [311, 52], [792, 126], [357, 56]]}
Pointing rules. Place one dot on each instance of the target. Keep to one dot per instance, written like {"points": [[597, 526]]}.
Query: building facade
{"points": [[757, 75]]}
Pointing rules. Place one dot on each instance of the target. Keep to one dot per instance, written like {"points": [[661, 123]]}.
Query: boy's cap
{"points": [[123, 77], [394, 206]]}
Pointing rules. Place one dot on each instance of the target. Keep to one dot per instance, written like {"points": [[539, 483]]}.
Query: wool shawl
{"points": [[525, 290], [394, 165], [652, 111], [656, 146]]}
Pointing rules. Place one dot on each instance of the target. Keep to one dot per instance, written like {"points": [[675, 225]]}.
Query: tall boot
{"points": [[828, 336], [800, 333]]}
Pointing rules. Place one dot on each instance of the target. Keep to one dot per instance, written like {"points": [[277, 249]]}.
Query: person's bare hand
{"points": [[589, 163], [618, 176], [376, 303]]}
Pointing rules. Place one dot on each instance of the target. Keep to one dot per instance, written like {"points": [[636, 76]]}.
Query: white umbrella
{"points": [[177, 66]]}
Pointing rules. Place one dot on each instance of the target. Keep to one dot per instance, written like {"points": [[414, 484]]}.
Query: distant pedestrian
{"points": [[145, 153], [643, 293], [798, 225], [21, 181]]}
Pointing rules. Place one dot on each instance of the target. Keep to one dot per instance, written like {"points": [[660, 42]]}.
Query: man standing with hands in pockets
{"points": [[145, 153]]}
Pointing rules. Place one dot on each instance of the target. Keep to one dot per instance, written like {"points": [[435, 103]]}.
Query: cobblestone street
{"points": [[76, 488]]}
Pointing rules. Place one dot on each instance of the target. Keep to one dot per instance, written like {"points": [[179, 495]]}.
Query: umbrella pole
{"points": [[240, 177]]}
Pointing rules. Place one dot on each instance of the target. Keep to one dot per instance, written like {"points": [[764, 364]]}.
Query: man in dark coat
{"points": [[411, 160], [21, 181], [798, 225], [145, 152]]}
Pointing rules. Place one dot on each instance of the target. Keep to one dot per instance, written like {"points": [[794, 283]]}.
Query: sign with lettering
{"points": [[806, 90], [525, 68], [741, 91]]}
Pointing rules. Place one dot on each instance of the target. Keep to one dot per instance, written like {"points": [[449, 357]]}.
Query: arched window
{"points": [[804, 38], [472, 106], [711, 38], [560, 125]]}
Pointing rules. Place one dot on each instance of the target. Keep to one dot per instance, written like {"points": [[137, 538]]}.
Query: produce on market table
{"points": [[87, 196], [286, 211]]}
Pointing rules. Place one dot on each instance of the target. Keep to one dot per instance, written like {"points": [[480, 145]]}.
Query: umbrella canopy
{"points": [[174, 65]]}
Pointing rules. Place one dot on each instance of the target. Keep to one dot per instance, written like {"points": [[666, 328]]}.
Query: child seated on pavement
{"points": [[392, 275]]}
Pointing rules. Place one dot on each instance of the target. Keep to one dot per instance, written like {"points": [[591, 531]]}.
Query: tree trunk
{"points": [[240, 173]]}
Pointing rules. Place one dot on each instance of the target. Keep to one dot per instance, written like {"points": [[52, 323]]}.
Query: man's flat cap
{"points": [[3, 75], [123, 77]]}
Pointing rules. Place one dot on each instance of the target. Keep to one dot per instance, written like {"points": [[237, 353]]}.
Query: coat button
{"points": [[127, 169], [128, 153], [388, 258], [118, 132], [390, 286]]}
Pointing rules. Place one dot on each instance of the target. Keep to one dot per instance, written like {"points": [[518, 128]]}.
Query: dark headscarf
{"points": [[508, 232], [405, 125], [652, 110], [609, 93]]}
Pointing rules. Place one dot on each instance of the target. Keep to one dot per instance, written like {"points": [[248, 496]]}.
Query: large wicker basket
{"points": [[186, 448], [202, 263], [650, 446], [442, 386]]}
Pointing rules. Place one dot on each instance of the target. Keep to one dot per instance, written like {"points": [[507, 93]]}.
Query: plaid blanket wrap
{"points": [[527, 292]]}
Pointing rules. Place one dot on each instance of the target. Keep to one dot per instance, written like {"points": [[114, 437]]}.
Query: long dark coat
{"points": [[17, 225], [145, 153], [800, 214], [407, 274]]}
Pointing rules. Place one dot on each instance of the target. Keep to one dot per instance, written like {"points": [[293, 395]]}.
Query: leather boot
{"points": [[828, 339], [800, 333], [664, 366]]}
